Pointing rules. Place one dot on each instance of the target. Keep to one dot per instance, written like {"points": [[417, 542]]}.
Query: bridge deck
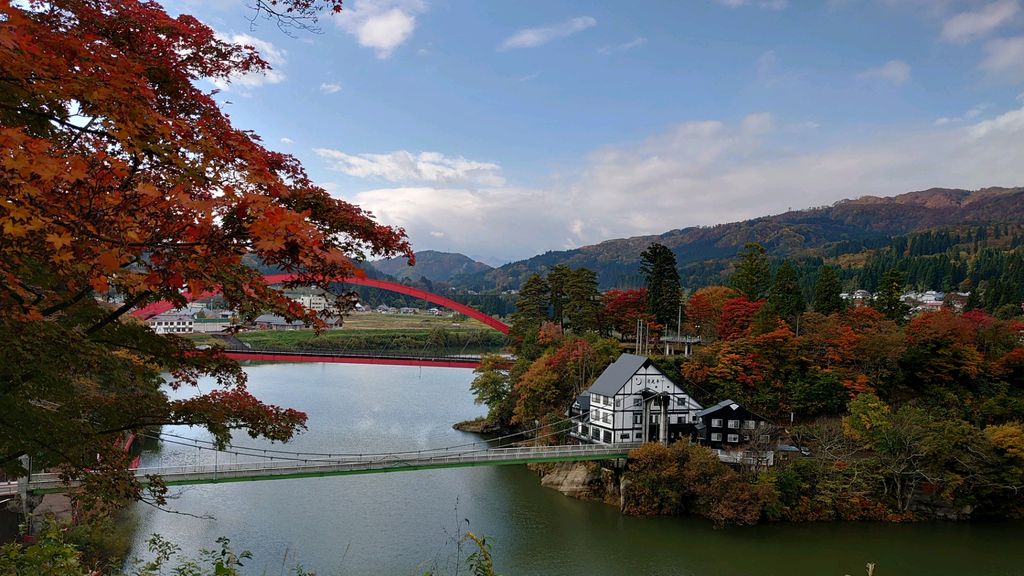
{"points": [[369, 464]]}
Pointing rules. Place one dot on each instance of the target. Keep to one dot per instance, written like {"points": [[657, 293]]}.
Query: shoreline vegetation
{"points": [[877, 414]]}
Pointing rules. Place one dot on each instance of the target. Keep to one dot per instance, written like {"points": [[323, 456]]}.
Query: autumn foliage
{"points": [[120, 176]]}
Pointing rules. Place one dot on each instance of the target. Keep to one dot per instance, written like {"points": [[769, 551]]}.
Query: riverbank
{"points": [[480, 426]]}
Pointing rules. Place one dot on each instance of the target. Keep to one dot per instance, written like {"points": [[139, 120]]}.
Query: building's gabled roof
{"points": [[275, 320], [617, 374], [717, 407], [584, 401]]}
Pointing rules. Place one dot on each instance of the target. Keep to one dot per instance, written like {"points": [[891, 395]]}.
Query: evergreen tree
{"points": [[752, 276], [531, 311], [664, 293], [559, 279], [582, 301], [887, 300], [785, 296], [827, 299]]}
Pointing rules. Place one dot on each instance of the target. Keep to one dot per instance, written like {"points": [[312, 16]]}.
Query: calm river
{"points": [[408, 522]]}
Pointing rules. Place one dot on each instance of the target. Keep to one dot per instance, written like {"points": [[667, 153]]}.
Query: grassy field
{"points": [[370, 332], [373, 321]]}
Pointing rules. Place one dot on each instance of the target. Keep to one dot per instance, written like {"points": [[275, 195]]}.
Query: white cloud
{"points": [[407, 167], [330, 87], [533, 37], [275, 57], [699, 173], [382, 25], [287, 140], [892, 72], [612, 48], [967, 26], [1005, 58], [974, 112]]}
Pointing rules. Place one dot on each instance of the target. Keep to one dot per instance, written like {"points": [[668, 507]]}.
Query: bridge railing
{"points": [[355, 354], [313, 466]]}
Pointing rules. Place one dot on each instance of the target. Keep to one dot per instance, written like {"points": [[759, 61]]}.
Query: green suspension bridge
{"points": [[275, 464]]}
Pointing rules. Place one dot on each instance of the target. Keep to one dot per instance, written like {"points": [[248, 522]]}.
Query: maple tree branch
{"points": [[170, 511], [82, 131], [67, 303], [128, 305], [56, 120]]}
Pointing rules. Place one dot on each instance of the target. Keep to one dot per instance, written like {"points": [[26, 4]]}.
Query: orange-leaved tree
{"points": [[120, 176]]}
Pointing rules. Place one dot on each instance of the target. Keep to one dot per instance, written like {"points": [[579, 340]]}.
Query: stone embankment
{"points": [[584, 480]]}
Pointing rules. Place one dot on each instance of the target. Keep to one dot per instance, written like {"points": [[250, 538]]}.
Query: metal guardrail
{"points": [[8, 488], [366, 463]]}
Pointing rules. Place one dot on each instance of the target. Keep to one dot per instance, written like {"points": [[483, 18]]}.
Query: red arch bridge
{"points": [[448, 361]]}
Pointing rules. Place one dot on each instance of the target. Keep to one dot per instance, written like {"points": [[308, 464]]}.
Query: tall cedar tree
{"points": [[827, 292], [531, 311], [559, 280], [583, 301], [752, 277], [119, 174], [785, 297], [664, 292], [887, 299]]}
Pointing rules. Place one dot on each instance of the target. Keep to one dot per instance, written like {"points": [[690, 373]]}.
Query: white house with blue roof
{"points": [[633, 401]]}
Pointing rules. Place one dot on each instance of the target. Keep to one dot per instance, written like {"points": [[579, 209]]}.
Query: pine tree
{"points": [[664, 292], [887, 300], [827, 299], [752, 276], [785, 296]]}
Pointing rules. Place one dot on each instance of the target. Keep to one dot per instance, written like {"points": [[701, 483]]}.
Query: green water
{"points": [[408, 523]]}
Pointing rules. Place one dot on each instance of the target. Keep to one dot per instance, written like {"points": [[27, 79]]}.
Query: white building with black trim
{"points": [[634, 401]]}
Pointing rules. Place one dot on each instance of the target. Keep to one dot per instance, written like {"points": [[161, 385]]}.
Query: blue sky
{"points": [[505, 129]]}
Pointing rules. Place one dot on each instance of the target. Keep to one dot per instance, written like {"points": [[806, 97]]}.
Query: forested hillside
{"points": [[850, 233], [432, 265]]}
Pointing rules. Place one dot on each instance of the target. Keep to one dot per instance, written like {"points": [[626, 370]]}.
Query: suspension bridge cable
{"points": [[316, 457], [376, 458], [488, 442]]}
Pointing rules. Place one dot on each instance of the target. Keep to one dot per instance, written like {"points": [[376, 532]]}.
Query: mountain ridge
{"points": [[863, 220], [433, 265]]}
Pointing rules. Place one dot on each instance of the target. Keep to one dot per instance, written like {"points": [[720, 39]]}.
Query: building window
{"points": [[625, 435], [734, 437], [716, 422], [734, 423], [746, 437], [618, 402], [750, 424], [595, 433], [637, 418], [637, 401], [607, 437], [716, 436]]}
